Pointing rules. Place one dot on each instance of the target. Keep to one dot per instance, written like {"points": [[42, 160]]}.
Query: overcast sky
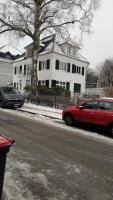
{"points": [[99, 45]]}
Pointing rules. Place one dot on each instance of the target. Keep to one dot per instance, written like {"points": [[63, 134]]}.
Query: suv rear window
{"points": [[9, 90]]}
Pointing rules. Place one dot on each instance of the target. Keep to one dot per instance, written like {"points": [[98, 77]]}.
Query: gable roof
{"points": [[54, 43]]}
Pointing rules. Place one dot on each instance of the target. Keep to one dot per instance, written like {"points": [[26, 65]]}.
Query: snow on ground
{"points": [[53, 117], [43, 110]]}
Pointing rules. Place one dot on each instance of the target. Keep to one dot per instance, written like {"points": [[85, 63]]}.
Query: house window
{"points": [[43, 83], [61, 84], [65, 66], [77, 88], [57, 82], [17, 86], [47, 83], [40, 63], [68, 49], [28, 70], [27, 82], [44, 65], [20, 69], [74, 51], [14, 84], [20, 84], [53, 83], [15, 70], [79, 70], [24, 69], [67, 86]]}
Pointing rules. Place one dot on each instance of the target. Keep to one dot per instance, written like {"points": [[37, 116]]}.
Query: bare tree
{"points": [[106, 74], [91, 78], [35, 17]]}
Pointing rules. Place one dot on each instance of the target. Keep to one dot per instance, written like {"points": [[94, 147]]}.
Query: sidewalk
{"points": [[42, 110]]}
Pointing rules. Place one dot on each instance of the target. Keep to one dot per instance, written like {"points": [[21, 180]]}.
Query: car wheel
{"points": [[110, 129], [20, 106], [68, 119], [2, 104]]}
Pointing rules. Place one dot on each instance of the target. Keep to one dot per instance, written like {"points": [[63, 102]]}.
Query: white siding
{"points": [[64, 76], [18, 78], [6, 73]]}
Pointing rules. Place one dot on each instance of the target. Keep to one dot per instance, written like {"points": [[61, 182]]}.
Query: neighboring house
{"points": [[92, 88], [92, 77], [59, 64], [6, 68]]}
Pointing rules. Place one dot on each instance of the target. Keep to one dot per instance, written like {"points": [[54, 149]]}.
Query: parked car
{"points": [[95, 112], [10, 96]]}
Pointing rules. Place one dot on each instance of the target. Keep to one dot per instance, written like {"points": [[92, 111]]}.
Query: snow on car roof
{"points": [[110, 99], [107, 98]]}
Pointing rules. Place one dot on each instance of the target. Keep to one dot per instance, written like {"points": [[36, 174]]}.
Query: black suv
{"points": [[10, 97]]}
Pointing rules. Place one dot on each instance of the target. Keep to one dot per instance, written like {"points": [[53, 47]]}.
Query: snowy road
{"points": [[53, 162]]}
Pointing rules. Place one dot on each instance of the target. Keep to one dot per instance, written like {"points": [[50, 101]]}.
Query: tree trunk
{"points": [[34, 75], [36, 48]]}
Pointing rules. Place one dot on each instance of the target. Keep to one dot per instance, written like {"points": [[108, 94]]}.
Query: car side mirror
{"points": [[81, 107]]}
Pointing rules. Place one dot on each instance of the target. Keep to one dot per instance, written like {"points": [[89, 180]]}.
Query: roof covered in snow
{"points": [[11, 49], [9, 52], [57, 44]]}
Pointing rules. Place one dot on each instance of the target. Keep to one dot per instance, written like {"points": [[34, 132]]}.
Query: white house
{"points": [[59, 63]]}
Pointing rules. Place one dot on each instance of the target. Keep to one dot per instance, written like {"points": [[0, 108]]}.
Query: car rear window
{"points": [[105, 106], [90, 105]]}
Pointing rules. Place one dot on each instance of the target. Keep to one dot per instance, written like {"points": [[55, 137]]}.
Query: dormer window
{"points": [[69, 49], [74, 51]]}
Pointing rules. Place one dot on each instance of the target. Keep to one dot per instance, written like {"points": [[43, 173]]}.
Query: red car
{"points": [[96, 112]]}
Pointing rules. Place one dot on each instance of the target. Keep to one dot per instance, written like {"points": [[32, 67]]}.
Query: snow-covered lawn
{"points": [[43, 110]]}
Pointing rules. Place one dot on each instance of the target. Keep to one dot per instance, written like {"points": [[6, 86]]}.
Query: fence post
{"points": [[55, 100]]}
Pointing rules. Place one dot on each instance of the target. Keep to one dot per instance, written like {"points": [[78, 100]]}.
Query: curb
{"points": [[4, 197], [36, 113]]}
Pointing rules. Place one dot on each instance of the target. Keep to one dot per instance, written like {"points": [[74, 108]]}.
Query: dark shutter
{"points": [[53, 83], [82, 70], [47, 83], [40, 66], [24, 69], [67, 86], [39, 83], [15, 71], [48, 64], [79, 70], [73, 68], [57, 65], [20, 69], [68, 67]]}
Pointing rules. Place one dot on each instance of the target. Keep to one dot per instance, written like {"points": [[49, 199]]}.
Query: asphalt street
{"points": [[51, 163]]}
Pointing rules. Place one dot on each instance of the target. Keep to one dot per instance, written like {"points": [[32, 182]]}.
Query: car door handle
{"points": [[92, 113]]}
